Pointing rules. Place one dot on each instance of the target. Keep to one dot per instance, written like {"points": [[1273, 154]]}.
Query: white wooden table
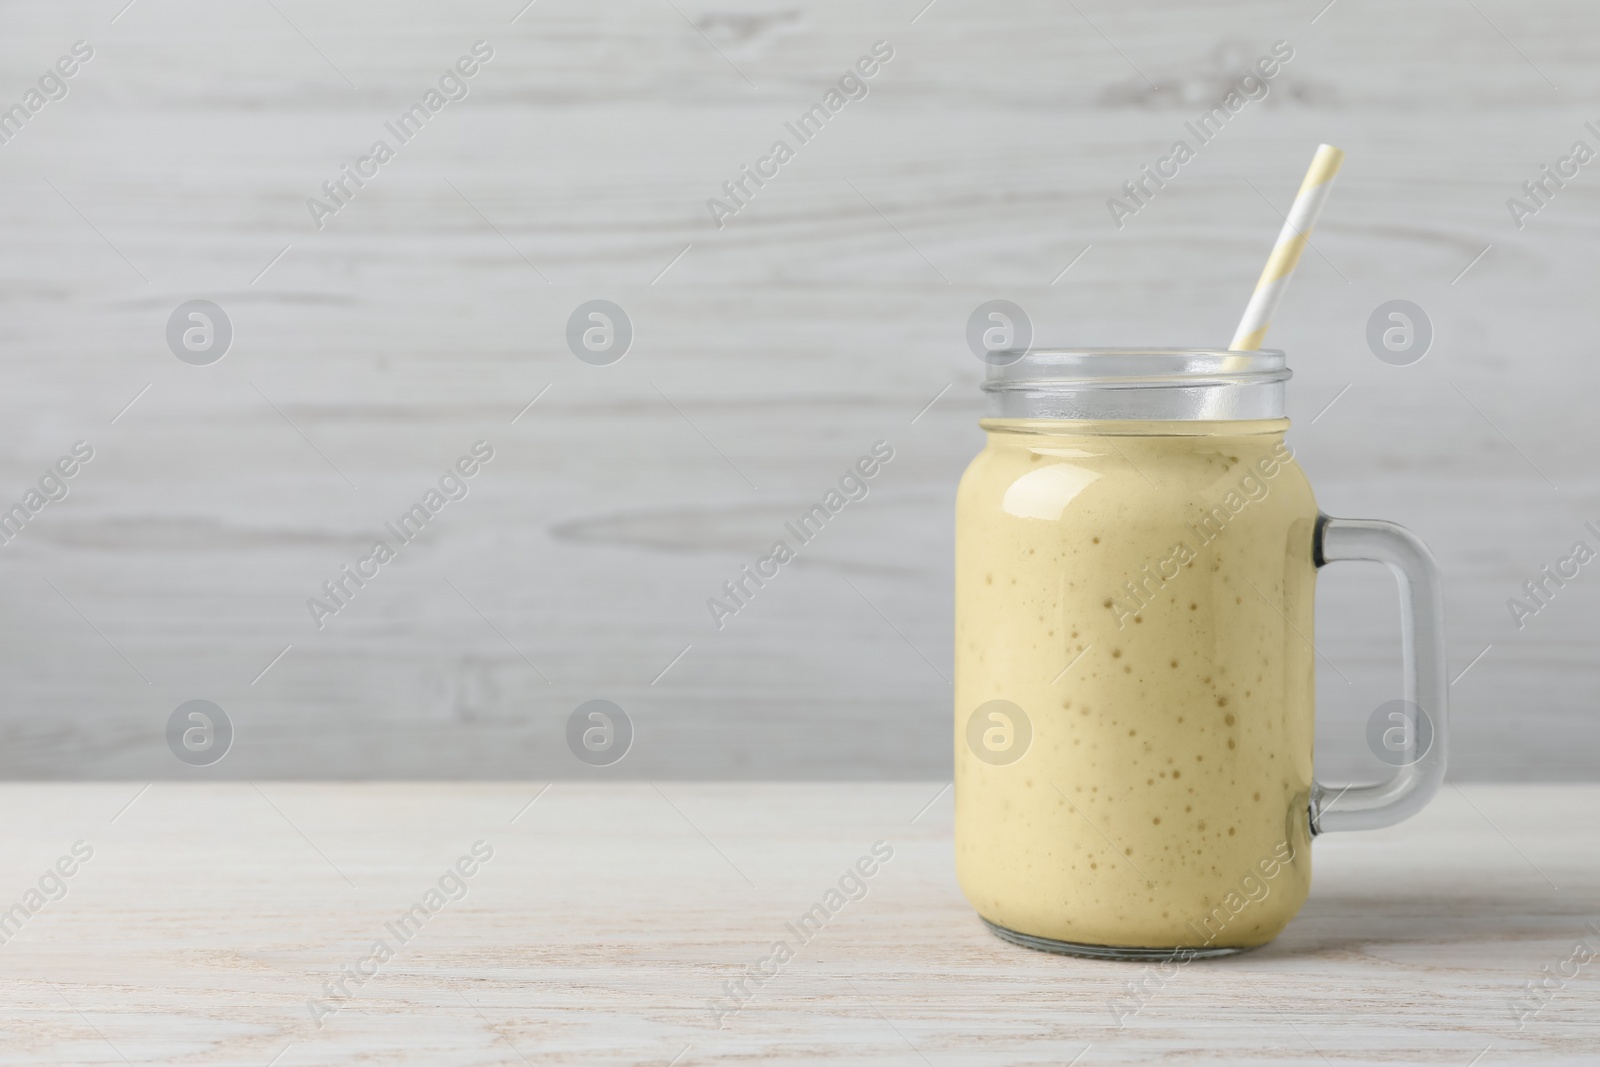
{"points": [[610, 915]]}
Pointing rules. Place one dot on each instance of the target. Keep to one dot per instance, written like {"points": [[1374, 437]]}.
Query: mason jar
{"points": [[1135, 668]]}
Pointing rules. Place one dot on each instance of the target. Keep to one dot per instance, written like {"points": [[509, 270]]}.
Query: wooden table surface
{"points": [[208, 922]]}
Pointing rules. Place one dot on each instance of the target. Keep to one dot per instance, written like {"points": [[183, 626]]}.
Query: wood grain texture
{"points": [[823, 317], [610, 915]]}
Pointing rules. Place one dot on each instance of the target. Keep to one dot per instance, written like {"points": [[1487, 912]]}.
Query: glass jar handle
{"points": [[1368, 807]]}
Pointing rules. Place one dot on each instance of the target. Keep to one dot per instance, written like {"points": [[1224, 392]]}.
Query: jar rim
{"points": [[1132, 368], [1136, 383]]}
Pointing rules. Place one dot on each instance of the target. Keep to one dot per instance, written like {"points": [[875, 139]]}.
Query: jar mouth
{"points": [[1136, 383]]}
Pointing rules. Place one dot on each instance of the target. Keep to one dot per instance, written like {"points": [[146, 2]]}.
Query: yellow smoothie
{"points": [[1142, 592]]}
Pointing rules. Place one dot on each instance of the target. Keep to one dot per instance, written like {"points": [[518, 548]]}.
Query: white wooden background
{"points": [[825, 316]]}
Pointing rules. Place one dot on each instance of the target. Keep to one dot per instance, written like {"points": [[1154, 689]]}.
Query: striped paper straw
{"points": [[1286, 253]]}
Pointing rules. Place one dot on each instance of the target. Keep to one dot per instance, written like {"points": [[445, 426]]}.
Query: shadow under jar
{"points": [[1136, 563]]}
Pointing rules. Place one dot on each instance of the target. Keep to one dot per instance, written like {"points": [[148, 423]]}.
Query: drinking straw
{"points": [[1286, 253]]}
